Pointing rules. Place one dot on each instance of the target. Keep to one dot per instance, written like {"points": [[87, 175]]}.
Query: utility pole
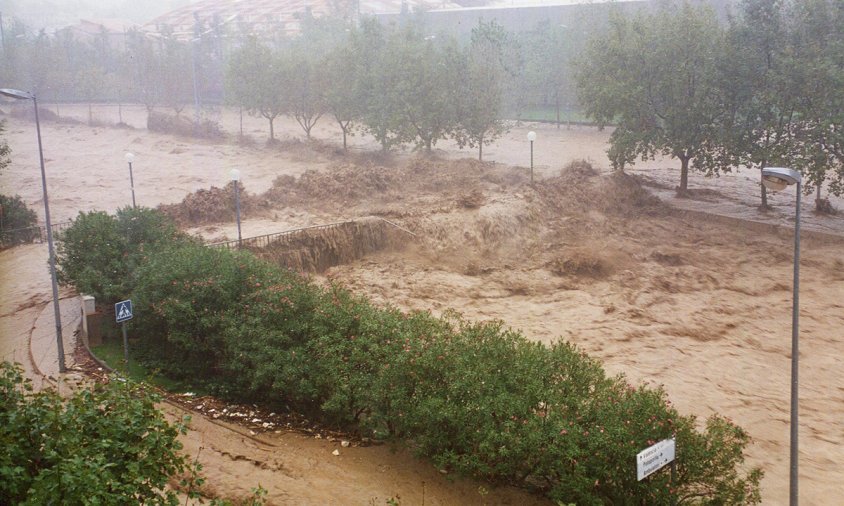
{"points": [[2, 33]]}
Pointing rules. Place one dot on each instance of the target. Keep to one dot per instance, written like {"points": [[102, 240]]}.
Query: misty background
{"points": [[52, 14]]}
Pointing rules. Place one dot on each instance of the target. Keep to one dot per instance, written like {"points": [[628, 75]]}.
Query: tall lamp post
{"points": [[23, 95], [776, 179], [235, 177], [129, 159], [531, 137]]}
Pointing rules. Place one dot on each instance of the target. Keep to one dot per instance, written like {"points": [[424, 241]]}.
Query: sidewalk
{"points": [[42, 342]]}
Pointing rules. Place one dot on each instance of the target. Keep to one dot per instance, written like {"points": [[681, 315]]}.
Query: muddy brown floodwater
{"points": [[693, 294]]}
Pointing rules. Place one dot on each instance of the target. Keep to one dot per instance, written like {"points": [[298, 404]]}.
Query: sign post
{"points": [[122, 314], [654, 458]]}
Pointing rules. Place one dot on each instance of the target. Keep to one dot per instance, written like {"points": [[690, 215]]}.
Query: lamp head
{"points": [[235, 175], [531, 136], [129, 157], [18, 94], [777, 178]]}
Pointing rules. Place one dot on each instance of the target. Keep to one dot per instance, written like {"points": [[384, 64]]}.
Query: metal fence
{"points": [[37, 234], [261, 241]]}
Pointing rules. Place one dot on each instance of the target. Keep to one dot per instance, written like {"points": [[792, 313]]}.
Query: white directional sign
{"points": [[652, 459], [123, 311]]}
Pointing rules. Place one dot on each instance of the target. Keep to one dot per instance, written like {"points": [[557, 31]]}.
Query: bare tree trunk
{"points": [[684, 175], [344, 139], [764, 192], [818, 204], [764, 195], [272, 130], [557, 104]]}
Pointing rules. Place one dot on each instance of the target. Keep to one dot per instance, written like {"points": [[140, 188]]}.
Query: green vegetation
{"points": [[474, 398], [488, 64], [17, 222], [655, 75], [104, 445], [111, 352], [99, 253], [107, 445], [764, 90]]}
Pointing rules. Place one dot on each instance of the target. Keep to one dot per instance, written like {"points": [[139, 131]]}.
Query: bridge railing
{"points": [[261, 241]]}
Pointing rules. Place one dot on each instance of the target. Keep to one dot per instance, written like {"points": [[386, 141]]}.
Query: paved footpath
{"points": [[42, 343], [27, 331]]}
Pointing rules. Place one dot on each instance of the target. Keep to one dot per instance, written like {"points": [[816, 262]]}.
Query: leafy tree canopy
{"points": [[653, 76]]}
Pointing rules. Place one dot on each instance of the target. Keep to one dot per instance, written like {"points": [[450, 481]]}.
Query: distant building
{"points": [[274, 16], [109, 31], [283, 17]]}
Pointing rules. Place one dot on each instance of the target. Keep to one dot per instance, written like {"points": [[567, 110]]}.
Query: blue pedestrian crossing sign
{"points": [[123, 311]]}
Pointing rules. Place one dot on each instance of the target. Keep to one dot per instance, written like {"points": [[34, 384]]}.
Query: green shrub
{"points": [[91, 257], [18, 223], [108, 445], [99, 253], [185, 295], [475, 398]]}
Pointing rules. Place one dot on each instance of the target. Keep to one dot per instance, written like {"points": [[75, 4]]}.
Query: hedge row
{"points": [[475, 398]]}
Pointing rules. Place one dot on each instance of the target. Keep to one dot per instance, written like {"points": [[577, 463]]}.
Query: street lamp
{"points": [[531, 137], [776, 179], [23, 95], [235, 177], [129, 159]]}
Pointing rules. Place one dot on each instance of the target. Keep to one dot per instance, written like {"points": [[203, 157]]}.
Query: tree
{"points": [[14, 215], [375, 83], [341, 99], [237, 90], [653, 76], [818, 41], [302, 87], [107, 445], [42, 61], [89, 82], [481, 89], [175, 59], [17, 222], [5, 150], [761, 85], [425, 79], [548, 66], [322, 69], [257, 70], [144, 68]]}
